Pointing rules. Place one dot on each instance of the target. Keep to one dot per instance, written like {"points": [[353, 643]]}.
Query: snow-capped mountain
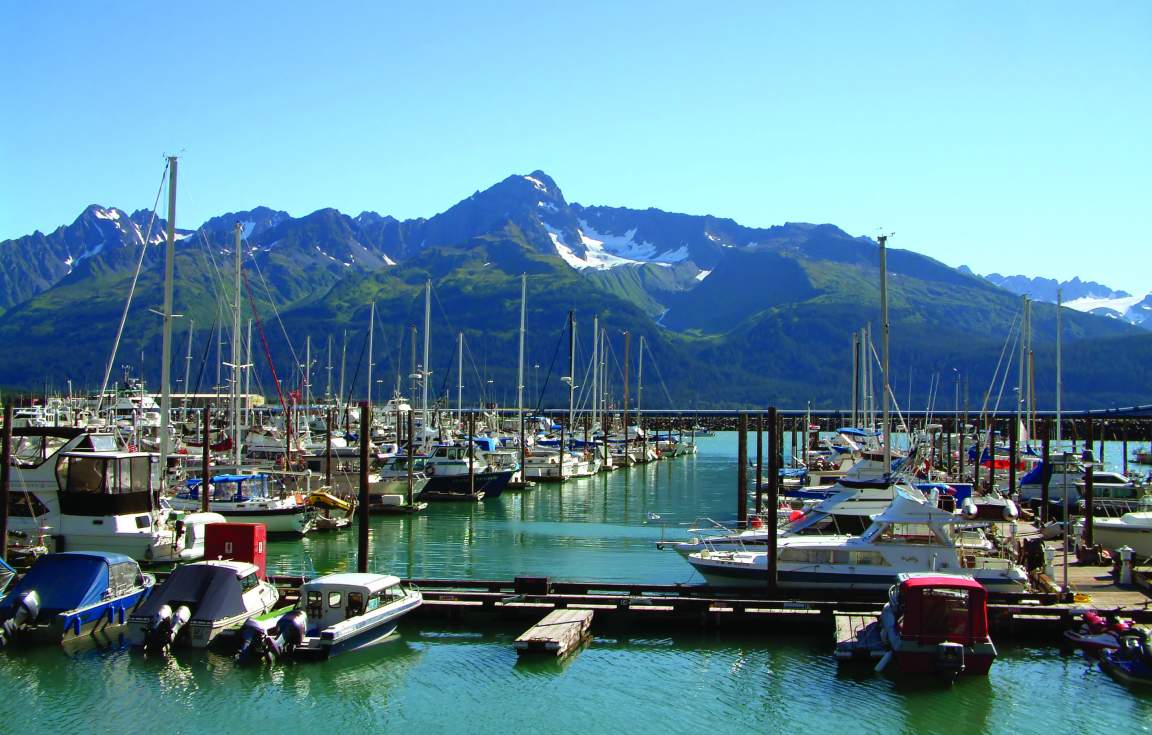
{"points": [[1086, 296]]}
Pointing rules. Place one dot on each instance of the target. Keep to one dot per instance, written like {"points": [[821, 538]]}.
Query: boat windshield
{"points": [[909, 533]]}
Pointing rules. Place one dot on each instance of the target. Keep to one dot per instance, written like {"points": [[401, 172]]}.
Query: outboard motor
{"points": [[291, 629], [164, 628], [949, 659], [256, 645], [266, 646], [25, 611]]}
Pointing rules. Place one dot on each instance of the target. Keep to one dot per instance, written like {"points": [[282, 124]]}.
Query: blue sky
{"points": [[1008, 136]]}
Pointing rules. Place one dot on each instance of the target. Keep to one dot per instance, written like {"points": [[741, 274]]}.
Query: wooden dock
{"points": [[847, 626], [558, 633]]}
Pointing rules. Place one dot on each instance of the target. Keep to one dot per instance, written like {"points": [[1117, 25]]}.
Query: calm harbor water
{"points": [[438, 678]]}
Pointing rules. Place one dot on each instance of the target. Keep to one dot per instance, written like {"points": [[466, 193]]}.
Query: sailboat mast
{"points": [[855, 375], [328, 387], [237, 358], [571, 374], [639, 384], [460, 378], [1021, 393], [166, 343], [1059, 371], [627, 364], [595, 368], [520, 367], [188, 368], [371, 334], [884, 401], [425, 372], [247, 377]]}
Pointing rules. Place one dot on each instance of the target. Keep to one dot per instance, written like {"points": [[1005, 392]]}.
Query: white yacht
{"points": [[77, 488], [911, 535]]}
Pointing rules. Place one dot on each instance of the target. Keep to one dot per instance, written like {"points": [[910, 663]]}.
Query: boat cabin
{"points": [[338, 597], [106, 483], [230, 488], [934, 608]]}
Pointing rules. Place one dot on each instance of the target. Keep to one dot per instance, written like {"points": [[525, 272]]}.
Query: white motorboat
{"points": [[336, 614], [1133, 530], [198, 601], [247, 499], [911, 535]]}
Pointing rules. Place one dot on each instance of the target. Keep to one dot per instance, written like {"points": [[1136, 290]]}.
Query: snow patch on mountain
{"points": [[702, 275], [626, 248], [1120, 305], [595, 256], [537, 183], [110, 214]]}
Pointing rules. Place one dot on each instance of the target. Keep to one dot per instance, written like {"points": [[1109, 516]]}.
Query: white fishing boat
{"points": [[198, 601], [911, 535], [337, 613]]}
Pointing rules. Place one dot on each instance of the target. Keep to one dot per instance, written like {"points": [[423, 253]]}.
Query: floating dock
{"points": [[848, 626], [557, 634]]}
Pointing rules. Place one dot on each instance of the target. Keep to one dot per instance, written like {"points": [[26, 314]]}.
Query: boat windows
{"points": [[249, 581], [909, 533], [25, 505], [833, 556], [335, 599], [355, 604], [944, 613], [123, 578]]}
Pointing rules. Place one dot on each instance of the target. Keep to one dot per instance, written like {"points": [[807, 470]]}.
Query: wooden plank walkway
{"points": [[558, 633]]}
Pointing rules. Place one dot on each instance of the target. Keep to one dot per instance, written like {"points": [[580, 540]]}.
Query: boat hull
{"points": [[491, 484]]}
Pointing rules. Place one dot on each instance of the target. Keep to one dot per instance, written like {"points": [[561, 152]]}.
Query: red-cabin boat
{"points": [[937, 623]]}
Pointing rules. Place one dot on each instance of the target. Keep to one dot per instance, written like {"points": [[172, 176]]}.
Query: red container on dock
{"points": [[238, 542]]}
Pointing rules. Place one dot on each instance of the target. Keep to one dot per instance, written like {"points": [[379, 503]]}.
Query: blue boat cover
{"points": [[486, 443], [850, 431], [66, 581]]}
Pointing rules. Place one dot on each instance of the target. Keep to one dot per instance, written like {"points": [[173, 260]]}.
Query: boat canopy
{"points": [[74, 579], [212, 590], [486, 443], [943, 607], [851, 431]]}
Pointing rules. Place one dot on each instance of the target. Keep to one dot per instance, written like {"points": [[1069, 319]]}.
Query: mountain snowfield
{"points": [[1085, 296]]}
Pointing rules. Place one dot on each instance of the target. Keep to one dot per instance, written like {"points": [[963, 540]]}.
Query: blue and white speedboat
{"points": [[337, 613], [73, 594]]}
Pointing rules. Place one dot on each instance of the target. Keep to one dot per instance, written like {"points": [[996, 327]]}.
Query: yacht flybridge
{"points": [[79, 489]]}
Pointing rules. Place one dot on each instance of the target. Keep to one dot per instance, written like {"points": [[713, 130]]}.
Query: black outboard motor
{"points": [[949, 660], [266, 646], [26, 609], [164, 628]]}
